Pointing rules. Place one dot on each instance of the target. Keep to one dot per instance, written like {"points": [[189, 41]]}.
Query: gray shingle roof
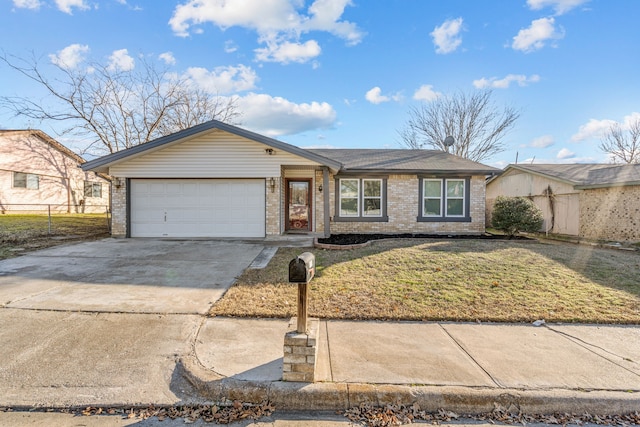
{"points": [[590, 175], [402, 161]]}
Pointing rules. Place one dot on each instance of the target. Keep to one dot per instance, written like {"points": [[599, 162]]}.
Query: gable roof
{"points": [[102, 163], [403, 161], [344, 160], [46, 139], [583, 176]]}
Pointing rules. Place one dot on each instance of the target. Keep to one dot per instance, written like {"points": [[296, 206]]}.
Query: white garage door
{"points": [[197, 208]]}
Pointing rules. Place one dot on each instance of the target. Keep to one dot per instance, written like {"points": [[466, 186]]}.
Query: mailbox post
{"points": [[301, 271]]}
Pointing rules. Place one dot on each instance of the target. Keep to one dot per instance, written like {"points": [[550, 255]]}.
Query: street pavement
{"points": [[122, 323]]}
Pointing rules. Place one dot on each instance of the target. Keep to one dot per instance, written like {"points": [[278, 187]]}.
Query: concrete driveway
{"points": [[125, 276], [104, 322]]}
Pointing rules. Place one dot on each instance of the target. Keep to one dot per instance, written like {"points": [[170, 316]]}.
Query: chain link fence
{"points": [[23, 222]]}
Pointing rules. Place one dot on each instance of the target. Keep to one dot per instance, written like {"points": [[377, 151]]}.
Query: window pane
{"points": [[20, 180], [432, 188], [97, 189], [372, 207], [349, 188], [348, 207], [454, 207], [455, 188], [372, 188], [33, 181], [432, 207]]}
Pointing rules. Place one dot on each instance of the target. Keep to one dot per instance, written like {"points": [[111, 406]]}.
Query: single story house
{"points": [[218, 180], [37, 173], [592, 201]]}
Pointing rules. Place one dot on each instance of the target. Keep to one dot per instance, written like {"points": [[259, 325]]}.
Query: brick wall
{"points": [[610, 213], [275, 204], [119, 210], [403, 200]]}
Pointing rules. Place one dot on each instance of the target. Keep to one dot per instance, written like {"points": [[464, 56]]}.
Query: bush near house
{"points": [[515, 214]]}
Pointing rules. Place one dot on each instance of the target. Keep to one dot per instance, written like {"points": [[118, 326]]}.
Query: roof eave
{"points": [[451, 172], [546, 175], [607, 185]]}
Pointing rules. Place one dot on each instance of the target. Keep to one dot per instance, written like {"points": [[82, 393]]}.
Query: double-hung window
{"points": [[92, 189], [444, 199], [29, 181], [361, 199]]}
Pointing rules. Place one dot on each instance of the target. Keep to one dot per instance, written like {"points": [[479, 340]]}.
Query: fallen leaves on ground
{"points": [[395, 415]]}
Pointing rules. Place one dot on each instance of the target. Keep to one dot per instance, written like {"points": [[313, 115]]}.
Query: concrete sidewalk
{"points": [[467, 368]]}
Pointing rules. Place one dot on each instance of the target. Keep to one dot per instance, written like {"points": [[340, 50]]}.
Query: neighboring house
{"points": [[218, 180], [38, 173], [592, 201]]}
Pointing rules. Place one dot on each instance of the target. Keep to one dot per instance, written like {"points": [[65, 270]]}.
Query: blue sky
{"points": [[344, 74]]}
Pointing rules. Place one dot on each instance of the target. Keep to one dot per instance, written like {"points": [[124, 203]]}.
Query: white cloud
{"points": [[426, 93], [27, 4], [276, 116], [70, 56], [596, 128], [67, 5], [543, 141], [535, 37], [223, 80], [504, 83], [279, 22], [120, 60], [375, 96], [168, 58], [592, 129], [559, 6], [230, 46], [446, 37], [287, 52], [565, 154]]}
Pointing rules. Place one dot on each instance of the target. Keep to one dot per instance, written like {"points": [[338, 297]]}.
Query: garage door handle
{"points": [[165, 217]]}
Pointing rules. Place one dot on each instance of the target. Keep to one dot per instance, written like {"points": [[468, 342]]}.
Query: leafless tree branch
{"points": [[622, 145], [113, 109], [476, 124]]}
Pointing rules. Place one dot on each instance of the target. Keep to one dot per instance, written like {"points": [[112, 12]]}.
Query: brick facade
{"points": [[610, 213], [403, 201]]}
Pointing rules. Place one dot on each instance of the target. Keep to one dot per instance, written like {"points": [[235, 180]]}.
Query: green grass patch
{"points": [[454, 280]]}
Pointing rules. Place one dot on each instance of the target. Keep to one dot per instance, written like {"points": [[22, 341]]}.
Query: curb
{"points": [[294, 396]]}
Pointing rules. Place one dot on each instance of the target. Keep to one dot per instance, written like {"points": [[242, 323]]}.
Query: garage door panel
{"points": [[197, 208]]}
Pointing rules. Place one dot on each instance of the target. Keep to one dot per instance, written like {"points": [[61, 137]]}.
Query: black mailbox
{"points": [[302, 268]]}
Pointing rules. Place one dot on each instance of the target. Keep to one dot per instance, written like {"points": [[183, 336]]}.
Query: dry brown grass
{"points": [[458, 280]]}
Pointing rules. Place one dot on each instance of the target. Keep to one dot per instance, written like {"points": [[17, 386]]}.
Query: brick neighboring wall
{"points": [[610, 213], [403, 200], [119, 210]]}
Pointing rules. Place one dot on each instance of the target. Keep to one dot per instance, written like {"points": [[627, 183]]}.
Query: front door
{"points": [[298, 205]]}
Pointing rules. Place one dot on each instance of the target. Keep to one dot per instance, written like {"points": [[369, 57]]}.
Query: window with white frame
{"points": [[444, 199], [361, 199], [29, 181], [92, 189]]}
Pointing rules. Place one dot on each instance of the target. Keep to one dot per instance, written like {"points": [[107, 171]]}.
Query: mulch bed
{"points": [[355, 239]]}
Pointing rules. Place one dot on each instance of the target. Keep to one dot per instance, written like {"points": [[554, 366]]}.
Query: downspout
{"points": [[327, 208]]}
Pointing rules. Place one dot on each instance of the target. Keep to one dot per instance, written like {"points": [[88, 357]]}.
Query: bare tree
{"points": [[476, 124], [622, 145], [113, 109]]}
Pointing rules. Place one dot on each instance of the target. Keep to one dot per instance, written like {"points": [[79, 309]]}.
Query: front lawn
{"points": [[20, 233], [457, 280]]}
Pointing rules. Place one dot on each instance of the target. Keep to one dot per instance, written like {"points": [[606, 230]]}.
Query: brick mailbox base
{"points": [[301, 352]]}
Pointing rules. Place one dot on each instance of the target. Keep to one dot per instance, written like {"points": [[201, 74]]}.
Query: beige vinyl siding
{"points": [[216, 154]]}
